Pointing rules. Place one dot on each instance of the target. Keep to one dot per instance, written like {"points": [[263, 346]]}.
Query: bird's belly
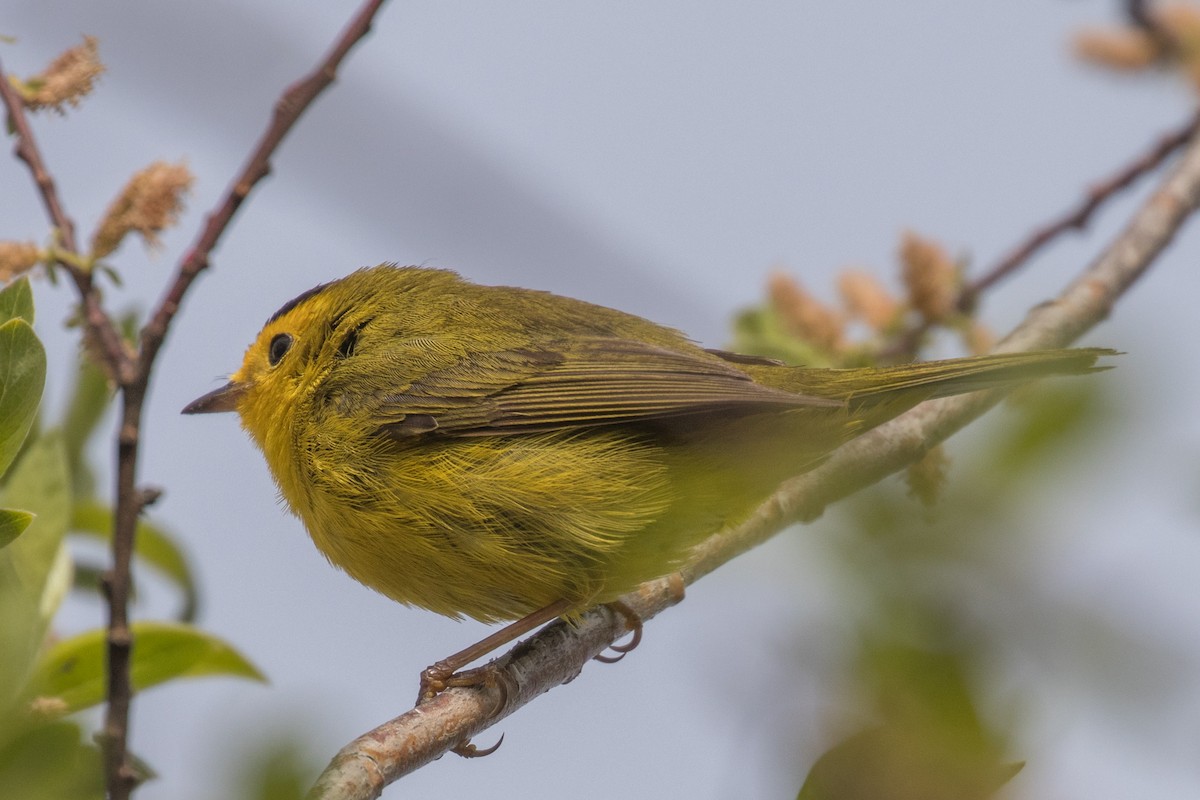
{"points": [[495, 528]]}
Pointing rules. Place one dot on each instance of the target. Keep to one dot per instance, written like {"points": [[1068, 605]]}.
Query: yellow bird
{"points": [[495, 452]]}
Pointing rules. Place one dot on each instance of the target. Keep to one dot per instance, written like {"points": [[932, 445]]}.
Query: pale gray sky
{"points": [[660, 157]]}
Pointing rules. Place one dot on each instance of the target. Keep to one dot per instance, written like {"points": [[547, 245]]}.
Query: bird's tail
{"points": [[866, 386]]}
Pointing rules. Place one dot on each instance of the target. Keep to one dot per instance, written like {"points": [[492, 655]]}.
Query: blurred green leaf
{"points": [[895, 763], [759, 332], [89, 400], [73, 670], [276, 769], [22, 377], [1048, 418], [931, 745], [153, 545], [49, 761], [12, 523], [34, 568], [89, 577], [919, 688], [16, 301]]}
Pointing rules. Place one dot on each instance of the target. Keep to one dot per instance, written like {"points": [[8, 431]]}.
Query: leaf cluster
{"points": [[47, 495]]}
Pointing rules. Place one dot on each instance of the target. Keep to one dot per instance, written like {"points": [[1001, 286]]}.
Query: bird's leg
{"points": [[445, 673]]}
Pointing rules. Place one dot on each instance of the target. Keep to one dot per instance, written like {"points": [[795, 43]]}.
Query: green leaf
{"points": [[1050, 417], [12, 523], [34, 568], [277, 766], [897, 763], [73, 670], [16, 301], [22, 377], [152, 544], [50, 762], [760, 332], [89, 400]]}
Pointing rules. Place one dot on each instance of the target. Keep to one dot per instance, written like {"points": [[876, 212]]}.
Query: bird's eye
{"points": [[279, 347]]}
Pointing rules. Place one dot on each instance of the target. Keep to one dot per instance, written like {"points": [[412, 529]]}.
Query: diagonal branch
{"points": [[1077, 218], [557, 653], [294, 102]]}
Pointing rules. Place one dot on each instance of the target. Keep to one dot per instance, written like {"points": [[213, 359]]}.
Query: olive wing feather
{"points": [[574, 384]]}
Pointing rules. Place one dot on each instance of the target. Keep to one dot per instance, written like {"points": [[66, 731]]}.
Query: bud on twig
{"points": [[1169, 36], [804, 315], [66, 81], [866, 298], [978, 339], [148, 204], [17, 258], [927, 476], [1121, 49], [930, 276]]}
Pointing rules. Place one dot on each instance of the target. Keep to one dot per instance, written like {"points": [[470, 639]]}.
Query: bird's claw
{"points": [[469, 750], [634, 622]]}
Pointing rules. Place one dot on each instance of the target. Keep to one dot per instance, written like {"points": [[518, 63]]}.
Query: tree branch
{"points": [[557, 653], [294, 102], [1077, 218], [1139, 15]]}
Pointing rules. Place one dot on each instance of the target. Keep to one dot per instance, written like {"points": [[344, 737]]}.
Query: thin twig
{"points": [[364, 767], [1073, 219], [1079, 218], [295, 100], [1139, 15], [115, 357]]}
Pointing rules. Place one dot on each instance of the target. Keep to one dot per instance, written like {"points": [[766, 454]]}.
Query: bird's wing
{"points": [[573, 384]]}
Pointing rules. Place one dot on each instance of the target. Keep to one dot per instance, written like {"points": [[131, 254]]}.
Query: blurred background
{"points": [[663, 158]]}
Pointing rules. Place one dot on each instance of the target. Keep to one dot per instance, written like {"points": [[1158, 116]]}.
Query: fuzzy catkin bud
{"points": [[149, 203], [979, 339], [66, 81], [805, 316], [1180, 22], [1124, 50], [927, 476], [17, 258], [866, 298], [930, 276]]}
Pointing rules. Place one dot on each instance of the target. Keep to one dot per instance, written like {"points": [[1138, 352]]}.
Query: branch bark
{"points": [[558, 652]]}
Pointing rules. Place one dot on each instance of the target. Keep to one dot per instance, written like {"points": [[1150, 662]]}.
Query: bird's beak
{"points": [[223, 399]]}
